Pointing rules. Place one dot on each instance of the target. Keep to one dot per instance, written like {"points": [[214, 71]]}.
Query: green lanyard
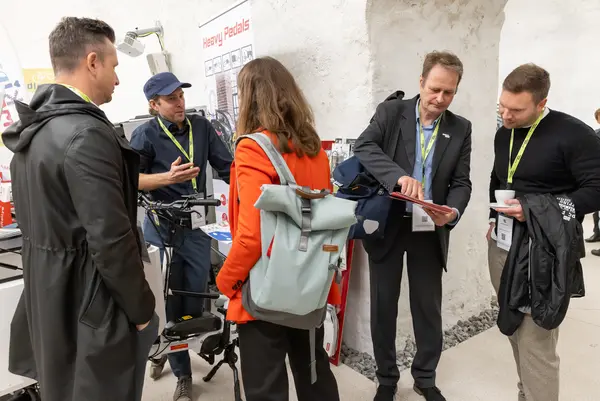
{"points": [[425, 151], [80, 93], [190, 157], [512, 168]]}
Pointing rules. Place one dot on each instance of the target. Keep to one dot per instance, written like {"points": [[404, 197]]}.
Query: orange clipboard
{"points": [[426, 205]]}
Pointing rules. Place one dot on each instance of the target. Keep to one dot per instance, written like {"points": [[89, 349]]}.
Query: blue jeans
{"points": [[190, 269]]}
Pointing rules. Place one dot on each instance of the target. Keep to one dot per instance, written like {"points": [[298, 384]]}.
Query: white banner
{"points": [[227, 45]]}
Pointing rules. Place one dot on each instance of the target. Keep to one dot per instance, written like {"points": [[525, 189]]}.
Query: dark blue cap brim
{"points": [[167, 90]]}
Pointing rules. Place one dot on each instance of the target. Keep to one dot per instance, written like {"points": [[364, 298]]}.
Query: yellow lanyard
{"points": [[425, 151], [512, 168], [190, 157], [80, 93]]}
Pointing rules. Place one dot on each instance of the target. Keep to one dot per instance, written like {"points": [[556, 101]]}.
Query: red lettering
{"points": [[212, 41], [228, 32], [237, 28], [6, 113]]}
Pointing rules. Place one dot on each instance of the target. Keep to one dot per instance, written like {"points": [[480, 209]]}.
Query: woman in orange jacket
{"points": [[271, 102]]}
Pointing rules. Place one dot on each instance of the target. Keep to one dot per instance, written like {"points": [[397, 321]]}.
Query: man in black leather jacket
{"points": [[540, 154], [85, 323]]}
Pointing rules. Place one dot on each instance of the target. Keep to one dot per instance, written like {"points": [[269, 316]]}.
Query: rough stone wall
{"points": [[400, 34], [325, 44]]}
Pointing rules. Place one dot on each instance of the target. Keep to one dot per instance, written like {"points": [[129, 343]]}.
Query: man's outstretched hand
{"points": [[182, 172]]}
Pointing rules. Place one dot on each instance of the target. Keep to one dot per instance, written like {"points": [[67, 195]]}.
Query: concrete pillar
{"points": [[400, 33]]}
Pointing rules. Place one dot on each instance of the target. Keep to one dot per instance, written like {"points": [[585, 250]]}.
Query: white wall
{"points": [[563, 40], [317, 52], [347, 56], [28, 32]]}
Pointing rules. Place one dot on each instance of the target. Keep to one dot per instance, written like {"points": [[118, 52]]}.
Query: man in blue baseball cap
{"points": [[174, 150]]}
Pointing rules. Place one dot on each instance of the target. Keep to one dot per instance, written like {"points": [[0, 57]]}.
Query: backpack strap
{"points": [[283, 171], [313, 358], [287, 178]]}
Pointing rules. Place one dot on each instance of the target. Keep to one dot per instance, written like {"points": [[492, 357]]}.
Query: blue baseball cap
{"points": [[163, 84]]}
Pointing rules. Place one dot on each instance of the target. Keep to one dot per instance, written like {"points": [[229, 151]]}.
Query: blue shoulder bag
{"points": [[373, 201]]}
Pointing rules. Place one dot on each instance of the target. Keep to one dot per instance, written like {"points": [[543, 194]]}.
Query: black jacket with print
{"points": [[543, 268]]}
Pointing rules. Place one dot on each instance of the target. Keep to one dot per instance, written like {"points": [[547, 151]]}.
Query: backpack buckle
{"points": [[305, 227]]}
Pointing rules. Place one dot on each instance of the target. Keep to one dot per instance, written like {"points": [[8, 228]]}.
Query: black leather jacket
{"points": [[543, 268], [74, 184]]}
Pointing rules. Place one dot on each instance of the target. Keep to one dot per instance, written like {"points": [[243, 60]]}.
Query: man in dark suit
{"points": [[416, 130]]}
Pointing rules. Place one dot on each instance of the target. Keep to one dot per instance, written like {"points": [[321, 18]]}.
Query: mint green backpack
{"points": [[303, 233]]}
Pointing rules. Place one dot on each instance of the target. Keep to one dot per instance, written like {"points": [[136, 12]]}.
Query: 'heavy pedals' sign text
{"points": [[227, 32]]}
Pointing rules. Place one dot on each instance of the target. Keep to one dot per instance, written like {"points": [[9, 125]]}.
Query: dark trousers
{"points": [[263, 348], [424, 263], [145, 339], [596, 220], [190, 268]]}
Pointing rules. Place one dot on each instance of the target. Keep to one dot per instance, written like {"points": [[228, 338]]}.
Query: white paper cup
{"points": [[502, 195]]}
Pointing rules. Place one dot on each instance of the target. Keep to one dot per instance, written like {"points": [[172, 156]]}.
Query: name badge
{"points": [[505, 232], [421, 222], [198, 218]]}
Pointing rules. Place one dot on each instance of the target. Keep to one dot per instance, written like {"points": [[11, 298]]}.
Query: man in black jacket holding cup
{"points": [[537, 151]]}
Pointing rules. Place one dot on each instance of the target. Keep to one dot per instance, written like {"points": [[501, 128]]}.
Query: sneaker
{"points": [[183, 391], [385, 393], [157, 366]]}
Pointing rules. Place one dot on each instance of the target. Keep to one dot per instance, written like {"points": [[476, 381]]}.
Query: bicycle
{"points": [[208, 335]]}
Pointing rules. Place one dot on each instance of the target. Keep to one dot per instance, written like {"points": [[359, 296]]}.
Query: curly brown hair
{"points": [[270, 99]]}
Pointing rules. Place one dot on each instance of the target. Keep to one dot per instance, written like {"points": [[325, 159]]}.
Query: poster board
{"points": [[11, 82], [227, 43], [34, 77]]}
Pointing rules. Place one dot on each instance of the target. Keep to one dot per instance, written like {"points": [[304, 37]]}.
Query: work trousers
{"points": [[534, 348], [596, 218], [425, 268], [190, 269], [263, 349]]}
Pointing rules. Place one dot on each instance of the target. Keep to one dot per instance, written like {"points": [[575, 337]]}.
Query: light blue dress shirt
{"points": [[418, 169]]}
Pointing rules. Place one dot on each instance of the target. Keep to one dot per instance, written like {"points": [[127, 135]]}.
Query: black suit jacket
{"points": [[386, 149]]}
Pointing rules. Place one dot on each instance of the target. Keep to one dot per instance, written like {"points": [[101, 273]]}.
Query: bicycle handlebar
{"points": [[179, 205]]}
